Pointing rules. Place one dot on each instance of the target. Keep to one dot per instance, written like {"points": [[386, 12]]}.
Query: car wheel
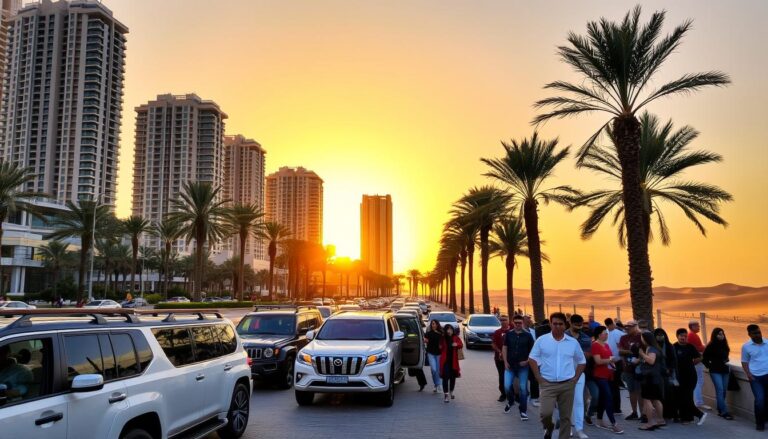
{"points": [[136, 433], [387, 398], [239, 409], [304, 398], [286, 382]]}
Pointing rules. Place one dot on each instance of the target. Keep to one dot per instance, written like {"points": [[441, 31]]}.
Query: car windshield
{"points": [[352, 329], [484, 321], [267, 324], [94, 303], [443, 316]]}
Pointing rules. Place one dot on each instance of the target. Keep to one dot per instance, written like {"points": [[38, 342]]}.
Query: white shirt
{"points": [[614, 336], [756, 357], [557, 360], [532, 332]]}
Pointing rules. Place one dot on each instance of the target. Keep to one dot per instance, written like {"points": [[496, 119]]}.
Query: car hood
{"points": [[483, 329], [345, 347], [264, 339]]}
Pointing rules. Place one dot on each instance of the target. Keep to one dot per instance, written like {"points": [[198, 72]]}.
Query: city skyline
{"points": [[376, 240], [352, 122]]}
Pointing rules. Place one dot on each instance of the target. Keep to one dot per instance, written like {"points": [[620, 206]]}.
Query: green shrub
{"points": [[153, 298]]}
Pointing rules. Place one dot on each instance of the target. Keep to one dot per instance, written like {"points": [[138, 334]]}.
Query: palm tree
{"points": [[54, 254], [451, 246], [466, 259], [134, 226], [275, 233], [201, 214], [508, 242], [481, 207], [80, 220], [664, 156], [414, 274], [618, 62], [525, 167], [168, 232], [13, 198], [244, 220]]}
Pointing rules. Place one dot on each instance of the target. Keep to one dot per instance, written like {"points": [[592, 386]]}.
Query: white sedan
{"points": [[102, 304], [15, 304]]}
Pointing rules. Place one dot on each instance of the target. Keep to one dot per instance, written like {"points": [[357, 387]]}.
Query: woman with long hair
{"points": [[603, 376], [651, 388], [716, 360], [432, 338], [450, 344], [669, 372]]}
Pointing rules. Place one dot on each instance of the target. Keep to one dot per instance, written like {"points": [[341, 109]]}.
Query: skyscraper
{"points": [[295, 200], [244, 184], [376, 233], [179, 138], [9, 9], [62, 98]]}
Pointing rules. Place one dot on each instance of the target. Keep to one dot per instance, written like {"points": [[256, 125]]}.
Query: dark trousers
{"points": [[670, 401], [685, 402], [616, 389], [533, 386], [420, 378], [449, 379], [759, 386], [605, 399], [500, 371]]}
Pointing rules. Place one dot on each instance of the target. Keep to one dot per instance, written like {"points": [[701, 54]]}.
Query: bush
{"points": [[198, 305], [153, 298]]}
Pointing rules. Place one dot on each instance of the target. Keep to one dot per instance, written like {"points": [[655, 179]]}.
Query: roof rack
{"points": [[171, 317], [97, 314], [295, 308]]}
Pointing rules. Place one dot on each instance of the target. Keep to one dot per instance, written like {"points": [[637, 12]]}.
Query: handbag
{"points": [[460, 353], [733, 383]]}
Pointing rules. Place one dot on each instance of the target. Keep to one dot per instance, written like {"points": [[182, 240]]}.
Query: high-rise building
{"points": [[62, 98], [295, 200], [9, 9], [244, 184], [376, 233], [179, 138]]}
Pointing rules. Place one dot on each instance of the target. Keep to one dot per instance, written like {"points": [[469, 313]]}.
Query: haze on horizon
{"points": [[405, 97]]}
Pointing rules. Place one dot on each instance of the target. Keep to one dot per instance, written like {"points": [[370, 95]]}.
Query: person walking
{"points": [[576, 331], [687, 358], [693, 339], [557, 362], [614, 335], [450, 344], [517, 345], [432, 338], [497, 342], [533, 385], [754, 360], [603, 378], [651, 388], [629, 344], [715, 359], [669, 402]]}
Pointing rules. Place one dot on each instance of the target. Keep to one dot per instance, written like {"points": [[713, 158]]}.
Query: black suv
{"points": [[272, 335]]}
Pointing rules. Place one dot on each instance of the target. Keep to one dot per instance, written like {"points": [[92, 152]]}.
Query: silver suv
{"points": [[124, 375], [358, 351]]}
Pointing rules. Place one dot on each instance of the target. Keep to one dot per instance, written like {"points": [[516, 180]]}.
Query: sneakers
{"points": [[446, 399], [632, 417], [523, 416], [453, 396], [704, 407], [581, 435], [548, 432], [702, 418], [435, 391], [502, 398], [507, 408], [421, 387], [535, 402]]}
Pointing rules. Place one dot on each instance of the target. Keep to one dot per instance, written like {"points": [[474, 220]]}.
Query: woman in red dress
{"points": [[449, 361]]}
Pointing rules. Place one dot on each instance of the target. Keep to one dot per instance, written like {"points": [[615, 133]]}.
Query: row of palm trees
{"points": [[616, 62]]}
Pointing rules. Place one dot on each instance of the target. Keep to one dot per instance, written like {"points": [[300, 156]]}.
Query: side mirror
{"points": [[310, 335], [398, 335], [87, 383], [3, 397], [463, 323]]}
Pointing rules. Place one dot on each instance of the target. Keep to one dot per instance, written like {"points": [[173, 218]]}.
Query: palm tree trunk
{"points": [[463, 273], [241, 267], [510, 263], [81, 271], [134, 261], [271, 283], [453, 285], [484, 257], [2, 268], [197, 289], [627, 133], [531, 217], [471, 277]]}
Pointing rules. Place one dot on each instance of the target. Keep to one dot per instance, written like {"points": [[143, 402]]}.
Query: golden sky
{"points": [[403, 97]]}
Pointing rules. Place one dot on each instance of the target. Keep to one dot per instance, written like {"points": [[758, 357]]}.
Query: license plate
{"points": [[337, 380]]}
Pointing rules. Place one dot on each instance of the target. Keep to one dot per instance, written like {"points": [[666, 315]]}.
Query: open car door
{"points": [[413, 345]]}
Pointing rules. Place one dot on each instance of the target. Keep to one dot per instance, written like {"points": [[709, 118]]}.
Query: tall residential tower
{"points": [[376, 233], [295, 200]]}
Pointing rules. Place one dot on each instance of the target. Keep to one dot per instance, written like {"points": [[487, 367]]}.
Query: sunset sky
{"points": [[404, 97]]}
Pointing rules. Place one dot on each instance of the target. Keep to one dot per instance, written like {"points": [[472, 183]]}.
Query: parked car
{"points": [[213, 299], [478, 329], [358, 352], [178, 299], [15, 304], [102, 304], [415, 308], [135, 303], [325, 311], [158, 377], [272, 335], [445, 317]]}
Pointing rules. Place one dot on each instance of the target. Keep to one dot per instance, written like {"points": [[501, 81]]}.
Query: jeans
{"points": [[720, 381], [521, 373], [578, 405], [434, 366], [594, 396], [697, 398], [605, 403], [759, 386]]}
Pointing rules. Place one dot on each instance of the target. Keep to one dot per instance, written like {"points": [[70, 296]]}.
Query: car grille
{"points": [[339, 365], [255, 353]]}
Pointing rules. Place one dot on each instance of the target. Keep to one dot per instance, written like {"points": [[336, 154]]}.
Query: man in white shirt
{"points": [[557, 362], [614, 336], [754, 360]]}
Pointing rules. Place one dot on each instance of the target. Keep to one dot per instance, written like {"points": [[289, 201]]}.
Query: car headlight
{"points": [[305, 359], [268, 352], [469, 333], [379, 358]]}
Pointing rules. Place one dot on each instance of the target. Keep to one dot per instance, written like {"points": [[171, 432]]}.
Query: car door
{"points": [[207, 353], [30, 406], [413, 345]]}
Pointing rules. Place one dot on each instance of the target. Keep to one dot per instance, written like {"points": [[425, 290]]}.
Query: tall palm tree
{"points": [[466, 259], [509, 241], [168, 232], [451, 246], [481, 207], [54, 255], [80, 220], [525, 167], [201, 214], [664, 156], [13, 198], [414, 275], [617, 62], [244, 220], [134, 226], [275, 233]]}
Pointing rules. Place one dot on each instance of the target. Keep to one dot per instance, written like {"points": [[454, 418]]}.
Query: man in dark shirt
{"points": [[517, 345], [497, 342], [687, 358]]}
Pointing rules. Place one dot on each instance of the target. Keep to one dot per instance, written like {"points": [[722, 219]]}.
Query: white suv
{"points": [[128, 375], [357, 351]]}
